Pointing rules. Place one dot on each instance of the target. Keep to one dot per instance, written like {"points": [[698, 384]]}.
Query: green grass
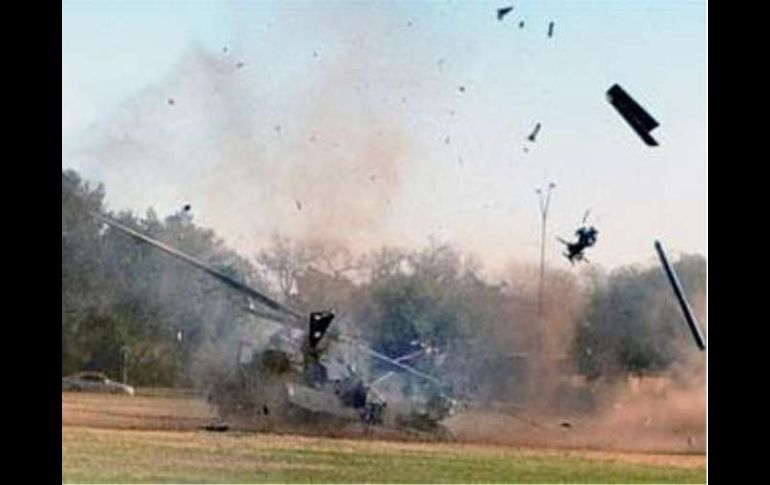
{"points": [[110, 456]]}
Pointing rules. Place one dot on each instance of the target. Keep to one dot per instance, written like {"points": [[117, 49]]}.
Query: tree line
{"points": [[122, 299]]}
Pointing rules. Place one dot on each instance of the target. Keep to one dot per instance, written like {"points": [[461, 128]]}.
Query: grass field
{"points": [[157, 438]]}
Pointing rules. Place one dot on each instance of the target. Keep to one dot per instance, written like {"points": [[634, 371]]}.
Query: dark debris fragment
{"points": [[534, 133], [171, 101], [521, 24], [239, 65], [641, 121], [502, 12], [217, 427], [550, 29]]}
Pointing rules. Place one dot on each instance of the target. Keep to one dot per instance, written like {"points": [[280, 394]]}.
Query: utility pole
{"points": [[545, 201]]}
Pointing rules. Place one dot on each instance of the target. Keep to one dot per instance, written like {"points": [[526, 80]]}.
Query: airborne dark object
{"points": [[633, 113], [302, 374], [534, 133], [550, 29], [586, 237], [694, 328], [502, 12], [170, 101], [187, 207]]}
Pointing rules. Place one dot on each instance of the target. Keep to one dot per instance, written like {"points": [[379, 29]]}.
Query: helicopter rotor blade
{"points": [[229, 281], [393, 362]]}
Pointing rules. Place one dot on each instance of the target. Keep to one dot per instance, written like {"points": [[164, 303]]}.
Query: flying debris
{"points": [[224, 49], [461, 89], [694, 328], [171, 101], [187, 207], [641, 121], [550, 29], [534, 133], [521, 24], [239, 65], [502, 12], [299, 204]]}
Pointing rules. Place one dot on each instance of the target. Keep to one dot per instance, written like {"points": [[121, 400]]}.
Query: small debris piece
{"points": [[217, 427], [521, 24], [446, 140], [277, 128], [566, 424], [550, 29], [461, 89], [239, 65], [315, 54], [224, 49], [171, 101], [502, 12], [299, 204], [534, 133], [526, 150], [409, 23], [187, 207], [641, 121]]}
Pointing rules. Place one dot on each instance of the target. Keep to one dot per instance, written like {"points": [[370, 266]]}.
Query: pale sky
{"points": [[347, 119]]}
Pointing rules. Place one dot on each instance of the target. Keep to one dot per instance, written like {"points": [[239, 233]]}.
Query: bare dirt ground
{"points": [[158, 410]]}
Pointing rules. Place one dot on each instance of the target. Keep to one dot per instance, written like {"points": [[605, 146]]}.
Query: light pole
{"points": [[544, 203]]}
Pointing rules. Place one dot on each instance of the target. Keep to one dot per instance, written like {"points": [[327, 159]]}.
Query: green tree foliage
{"points": [[117, 293], [633, 323]]}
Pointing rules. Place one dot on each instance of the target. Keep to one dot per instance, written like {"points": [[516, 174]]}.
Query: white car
{"points": [[94, 382]]}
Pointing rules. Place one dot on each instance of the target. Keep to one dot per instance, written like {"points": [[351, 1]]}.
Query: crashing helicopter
{"points": [[586, 237], [304, 375]]}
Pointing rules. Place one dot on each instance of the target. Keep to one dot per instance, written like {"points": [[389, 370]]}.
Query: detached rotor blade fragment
{"points": [[641, 121], [273, 317], [694, 328], [390, 361], [268, 302]]}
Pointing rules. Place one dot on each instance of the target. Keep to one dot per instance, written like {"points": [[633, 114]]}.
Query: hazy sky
{"points": [[395, 122]]}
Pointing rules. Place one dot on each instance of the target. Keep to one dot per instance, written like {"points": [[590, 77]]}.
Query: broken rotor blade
{"points": [[688, 315], [268, 302], [273, 317], [390, 361], [641, 121]]}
